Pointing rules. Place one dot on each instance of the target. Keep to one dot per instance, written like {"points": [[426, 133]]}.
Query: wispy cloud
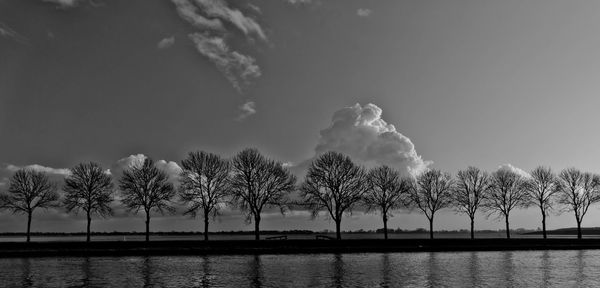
{"points": [[364, 12], [210, 14], [8, 32], [298, 1], [246, 110], [238, 68], [166, 42], [65, 3], [210, 17], [191, 13]]}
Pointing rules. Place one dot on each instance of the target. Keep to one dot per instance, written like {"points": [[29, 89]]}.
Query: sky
{"points": [[413, 84]]}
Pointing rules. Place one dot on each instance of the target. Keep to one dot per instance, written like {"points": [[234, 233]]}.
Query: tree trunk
{"points": [[89, 221], [507, 228], [206, 226], [579, 229], [472, 228], [431, 228], [29, 226], [147, 226], [385, 231], [257, 227], [544, 224], [338, 232]]}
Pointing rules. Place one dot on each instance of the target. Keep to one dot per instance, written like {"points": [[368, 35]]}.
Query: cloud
{"points": [[189, 12], [255, 8], [236, 67], [364, 12], [247, 109], [295, 2], [55, 175], [8, 32], [39, 168], [210, 14], [169, 167], [360, 132], [514, 169], [216, 21], [64, 3], [166, 43]]}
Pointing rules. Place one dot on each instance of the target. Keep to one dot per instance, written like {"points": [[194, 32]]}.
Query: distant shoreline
{"points": [[251, 232], [241, 247]]}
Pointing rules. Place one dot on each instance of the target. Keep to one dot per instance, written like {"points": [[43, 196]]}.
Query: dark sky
{"points": [[458, 83]]}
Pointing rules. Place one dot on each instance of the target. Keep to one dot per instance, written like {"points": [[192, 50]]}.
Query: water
{"points": [[436, 269]]}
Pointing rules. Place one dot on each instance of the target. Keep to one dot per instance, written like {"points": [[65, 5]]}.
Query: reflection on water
{"points": [[26, 278], [474, 277], [255, 272], [545, 262], [436, 269], [386, 270]]}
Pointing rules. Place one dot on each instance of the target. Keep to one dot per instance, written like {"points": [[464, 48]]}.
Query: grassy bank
{"points": [[119, 248]]}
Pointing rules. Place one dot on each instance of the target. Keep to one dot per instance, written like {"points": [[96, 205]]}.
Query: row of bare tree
{"points": [[333, 183]]}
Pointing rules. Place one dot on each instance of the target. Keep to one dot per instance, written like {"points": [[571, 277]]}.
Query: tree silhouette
{"points": [[507, 192], [431, 192], [385, 192], [27, 190], [257, 183], [88, 188], [146, 187], [471, 188], [334, 183], [577, 191], [542, 190], [203, 184]]}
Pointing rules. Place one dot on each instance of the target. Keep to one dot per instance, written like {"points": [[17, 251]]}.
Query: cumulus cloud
{"points": [[39, 168], [364, 12], [56, 175], [514, 169], [247, 109], [360, 132], [236, 67], [169, 167], [166, 42]]}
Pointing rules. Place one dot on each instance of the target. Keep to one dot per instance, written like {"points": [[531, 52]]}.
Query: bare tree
{"points": [[334, 183], [472, 186], [146, 187], [257, 183], [203, 184], [577, 191], [88, 188], [385, 192], [431, 192], [507, 192], [542, 189], [27, 190]]}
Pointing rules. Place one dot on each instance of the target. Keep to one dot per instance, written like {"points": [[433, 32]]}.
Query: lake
{"points": [[579, 268]]}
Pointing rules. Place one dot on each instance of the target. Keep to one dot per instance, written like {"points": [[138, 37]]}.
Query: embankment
{"points": [[131, 248]]}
